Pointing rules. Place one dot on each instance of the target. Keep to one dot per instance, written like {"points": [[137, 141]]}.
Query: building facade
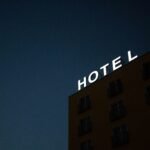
{"points": [[113, 112]]}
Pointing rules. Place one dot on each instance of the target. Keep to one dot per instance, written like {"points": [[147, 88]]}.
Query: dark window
{"points": [[84, 104], [86, 145], [117, 111], [147, 95], [85, 126], [115, 88], [146, 71], [120, 136]]}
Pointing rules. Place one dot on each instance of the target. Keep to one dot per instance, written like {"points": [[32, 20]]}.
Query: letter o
{"points": [[92, 79]]}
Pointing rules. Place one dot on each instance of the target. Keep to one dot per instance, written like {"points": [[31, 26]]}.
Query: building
{"points": [[113, 112]]}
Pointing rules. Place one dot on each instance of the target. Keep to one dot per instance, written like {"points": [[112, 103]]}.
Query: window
{"points": [[115, 88], [85, 126], [146, 71], [147, 95], [120, 136], [87, 145], [117, 111], [84, 104]]}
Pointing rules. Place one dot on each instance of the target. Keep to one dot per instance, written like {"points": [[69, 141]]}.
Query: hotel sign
{"points": [[94, 75]]}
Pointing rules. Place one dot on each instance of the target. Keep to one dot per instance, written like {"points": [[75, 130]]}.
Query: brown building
{"points": [[113, 112]]}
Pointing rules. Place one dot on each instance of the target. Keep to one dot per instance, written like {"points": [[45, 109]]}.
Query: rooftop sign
{"points": [[94, 75]]}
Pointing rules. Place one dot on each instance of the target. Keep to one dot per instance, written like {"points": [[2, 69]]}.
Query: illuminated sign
{"points": [[94, 75]]}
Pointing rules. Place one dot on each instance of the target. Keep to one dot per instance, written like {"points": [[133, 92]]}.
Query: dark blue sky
{"points": [[45, 47]]}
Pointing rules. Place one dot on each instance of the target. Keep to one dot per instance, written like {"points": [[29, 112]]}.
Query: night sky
{"points": [[45, 47]]}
